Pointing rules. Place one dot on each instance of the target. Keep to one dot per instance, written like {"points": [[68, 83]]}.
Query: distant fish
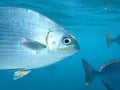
{"points": [[110, 40], [29, 40], [108, 73]]}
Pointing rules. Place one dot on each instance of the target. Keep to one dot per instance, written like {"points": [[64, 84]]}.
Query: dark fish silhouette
{"points": [[108, 73], [110, 40]]}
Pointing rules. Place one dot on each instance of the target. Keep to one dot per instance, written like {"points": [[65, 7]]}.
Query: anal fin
{"points": [[20, 73], [106, 85]]}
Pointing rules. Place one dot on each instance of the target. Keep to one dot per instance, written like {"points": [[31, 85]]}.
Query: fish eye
{"points": [[67, 40]]}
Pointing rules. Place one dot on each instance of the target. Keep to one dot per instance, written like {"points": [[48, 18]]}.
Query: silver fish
{"points": [[109, 74], [111, 40], [29, 40]]}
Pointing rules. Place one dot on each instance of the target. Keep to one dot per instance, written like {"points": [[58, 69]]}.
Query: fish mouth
{"points": [[77, 47]]}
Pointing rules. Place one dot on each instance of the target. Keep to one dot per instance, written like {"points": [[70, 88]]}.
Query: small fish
{"points": [[29, 40], [109, 74], [111, 40]]}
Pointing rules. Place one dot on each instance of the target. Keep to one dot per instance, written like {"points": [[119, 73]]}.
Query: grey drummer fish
{"points": [[29, 40], [111, 40], [109, 74]]}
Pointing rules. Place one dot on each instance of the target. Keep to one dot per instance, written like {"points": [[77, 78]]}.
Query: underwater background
{"points": [[87, 20]]}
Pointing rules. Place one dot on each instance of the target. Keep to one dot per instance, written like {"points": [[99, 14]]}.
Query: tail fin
{"points": [[90, 72], [108, 39]]}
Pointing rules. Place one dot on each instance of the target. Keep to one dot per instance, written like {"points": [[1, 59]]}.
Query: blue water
{"points": [[87, 20]]}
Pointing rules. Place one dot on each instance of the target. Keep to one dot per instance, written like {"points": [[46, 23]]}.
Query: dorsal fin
{"points": [[109, 63]]}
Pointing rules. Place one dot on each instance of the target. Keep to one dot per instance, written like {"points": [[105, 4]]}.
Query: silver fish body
{"points": [[29, 40]]}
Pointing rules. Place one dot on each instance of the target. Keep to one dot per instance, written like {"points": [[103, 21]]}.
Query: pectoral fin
{"points": [[21, 73], [32, 44]]}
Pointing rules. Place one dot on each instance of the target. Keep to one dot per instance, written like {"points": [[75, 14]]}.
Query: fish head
{"points": [[62, 44]]}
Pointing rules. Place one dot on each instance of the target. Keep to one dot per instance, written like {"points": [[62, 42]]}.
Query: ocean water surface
{"points": [[87, 20]]}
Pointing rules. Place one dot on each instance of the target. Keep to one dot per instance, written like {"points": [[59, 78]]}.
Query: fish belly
{"points": [[25, 62]]}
